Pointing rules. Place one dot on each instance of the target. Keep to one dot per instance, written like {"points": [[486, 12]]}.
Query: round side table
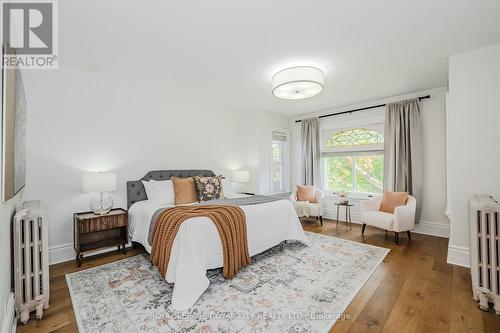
{"points": [[347, 213]]}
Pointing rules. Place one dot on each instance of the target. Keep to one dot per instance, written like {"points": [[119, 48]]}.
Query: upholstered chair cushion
{"points": [[184, 189], [391, 200], [379, 219], [306, 193]]}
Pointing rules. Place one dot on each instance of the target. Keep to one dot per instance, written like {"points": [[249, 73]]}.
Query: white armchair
{"points": [[306, 208], [403, 218]]}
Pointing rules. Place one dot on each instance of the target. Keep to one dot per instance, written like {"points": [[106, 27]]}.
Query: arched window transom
{"points": [[354, 137]]}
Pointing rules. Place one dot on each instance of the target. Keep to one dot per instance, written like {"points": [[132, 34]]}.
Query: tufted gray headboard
{"points": [[136, 191]]}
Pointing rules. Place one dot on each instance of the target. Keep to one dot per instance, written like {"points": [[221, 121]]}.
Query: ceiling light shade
{"points": [[298, 82]]}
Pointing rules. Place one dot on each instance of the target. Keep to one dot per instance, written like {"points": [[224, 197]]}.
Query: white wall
{"points": [[433, 115], [80, 121], [473, 128]]}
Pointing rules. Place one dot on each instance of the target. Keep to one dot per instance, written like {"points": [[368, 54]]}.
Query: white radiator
{"points": [[485, 244], [31, 260]]}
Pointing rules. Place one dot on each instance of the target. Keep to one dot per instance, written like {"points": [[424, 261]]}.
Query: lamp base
{"points": [[101, 204]]}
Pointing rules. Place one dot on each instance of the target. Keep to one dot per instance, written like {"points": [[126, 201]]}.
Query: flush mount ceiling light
{"points": [[298, 82]]}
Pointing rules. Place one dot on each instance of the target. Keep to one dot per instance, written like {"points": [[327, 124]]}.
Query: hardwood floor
{"points": [[413, 289]]}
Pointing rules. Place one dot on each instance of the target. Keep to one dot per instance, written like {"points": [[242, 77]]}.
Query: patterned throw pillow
{"points": [[208, 188]]}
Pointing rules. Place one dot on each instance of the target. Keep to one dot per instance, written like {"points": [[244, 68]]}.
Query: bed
{"points": [[197, 246]]}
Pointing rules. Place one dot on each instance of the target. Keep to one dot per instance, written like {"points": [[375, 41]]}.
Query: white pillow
{"points": [[160, 192]]}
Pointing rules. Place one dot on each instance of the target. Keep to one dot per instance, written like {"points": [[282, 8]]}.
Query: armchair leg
{"points": [[396, 237], [409, 234], [363, 229], [321, 220]]}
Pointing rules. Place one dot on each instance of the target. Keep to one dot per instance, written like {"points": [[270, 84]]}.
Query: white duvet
{"points": [[197, 246]]}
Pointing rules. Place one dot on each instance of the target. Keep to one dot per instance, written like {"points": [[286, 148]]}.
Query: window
{"points": [[354, 137], [278, 162], [353, 160]]}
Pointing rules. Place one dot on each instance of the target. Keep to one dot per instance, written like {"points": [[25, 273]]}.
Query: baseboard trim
{"points": [[432, 229], [9, 324], [66, 252], [330, 214], [61, 253], [423, 227], [458, 255]]}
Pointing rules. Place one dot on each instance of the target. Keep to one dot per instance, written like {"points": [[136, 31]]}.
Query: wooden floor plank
{"points": [[461, 319], [364, 295], [374, 315], [405, 312], [413, 289], [436, 316]]}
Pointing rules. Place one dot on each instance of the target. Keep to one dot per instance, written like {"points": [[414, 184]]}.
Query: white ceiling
{"points": [[225, 52]]}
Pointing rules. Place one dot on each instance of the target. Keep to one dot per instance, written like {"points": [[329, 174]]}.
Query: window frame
{"points": [[325, 135], [285, 160], [353, 151]]}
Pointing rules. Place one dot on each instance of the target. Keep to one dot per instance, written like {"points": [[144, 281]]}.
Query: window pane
{"points": [[369, 173], [354, 137], [276, 152], [277, 165], [277, 178], [339, 173]]}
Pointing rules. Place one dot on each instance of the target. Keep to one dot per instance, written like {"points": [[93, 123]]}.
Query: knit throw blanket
{"points": [[231, 225]]}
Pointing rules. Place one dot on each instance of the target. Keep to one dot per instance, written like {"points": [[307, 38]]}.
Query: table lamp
{"points": [[242, 177], [100, 182]]}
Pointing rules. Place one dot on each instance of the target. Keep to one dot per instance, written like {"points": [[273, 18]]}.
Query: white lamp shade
{"points": [[298, 82], [99, 182], [241, 176]]}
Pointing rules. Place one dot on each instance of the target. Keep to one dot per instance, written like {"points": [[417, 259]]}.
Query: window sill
{"points": [[353, 196]]}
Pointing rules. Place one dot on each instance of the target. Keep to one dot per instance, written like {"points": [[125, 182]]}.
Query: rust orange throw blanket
{"points": [[230, 222]]}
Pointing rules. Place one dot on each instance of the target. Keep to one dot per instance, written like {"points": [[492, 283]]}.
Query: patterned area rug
{"points": [[289, 288]]}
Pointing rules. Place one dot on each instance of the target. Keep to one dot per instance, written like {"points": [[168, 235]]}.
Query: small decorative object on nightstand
{"points": [[93, 231]]}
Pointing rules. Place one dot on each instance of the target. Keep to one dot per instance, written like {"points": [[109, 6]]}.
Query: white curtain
{"points": [[403, 149], [310, 152]]}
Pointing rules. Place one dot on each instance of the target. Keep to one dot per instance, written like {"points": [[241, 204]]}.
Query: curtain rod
{"points": [[361, 109]]}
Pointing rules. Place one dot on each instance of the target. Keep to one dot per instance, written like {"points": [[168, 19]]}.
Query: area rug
{"points": [[289, 288]]}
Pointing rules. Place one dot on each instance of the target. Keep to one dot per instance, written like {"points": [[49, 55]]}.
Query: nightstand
{"points": [[91, 231]]}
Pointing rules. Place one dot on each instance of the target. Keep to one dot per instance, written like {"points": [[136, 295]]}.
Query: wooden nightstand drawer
{"points": [[93, 231], [100, 223]]}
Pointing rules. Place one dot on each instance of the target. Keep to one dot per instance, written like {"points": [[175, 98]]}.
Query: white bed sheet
{"points": [[197, 246]]}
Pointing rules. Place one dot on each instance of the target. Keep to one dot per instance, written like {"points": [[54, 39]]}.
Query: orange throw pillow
{"points": [[391, 200], [306, 193], [184, 190]]}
